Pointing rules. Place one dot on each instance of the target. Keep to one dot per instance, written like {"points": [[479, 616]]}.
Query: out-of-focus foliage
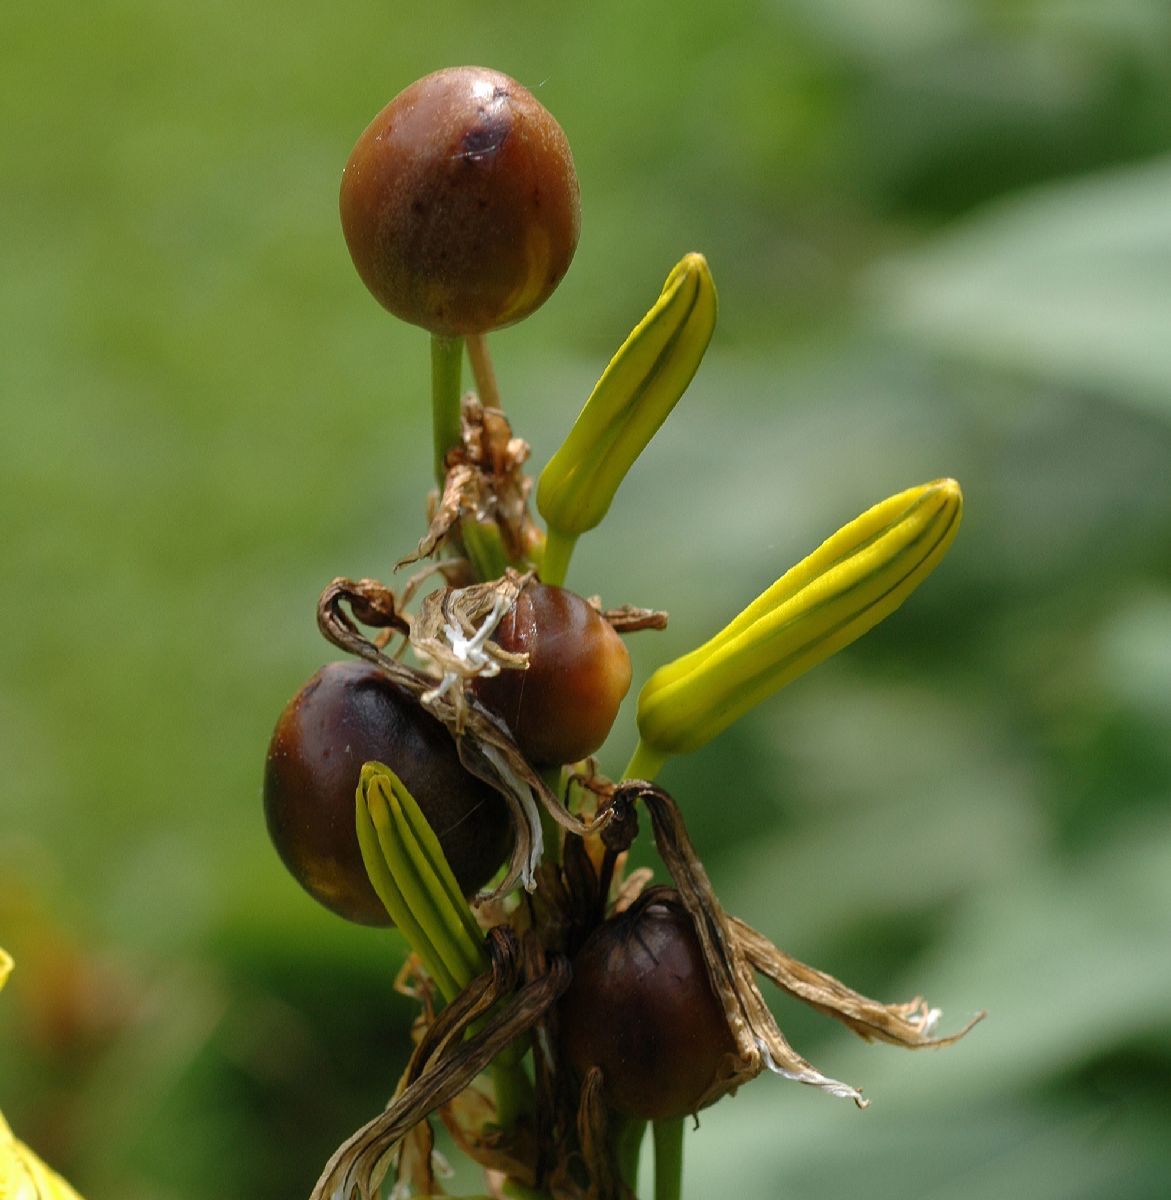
{"points": [[942, 239]]}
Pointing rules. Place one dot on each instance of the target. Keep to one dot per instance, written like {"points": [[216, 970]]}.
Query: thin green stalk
{"points": [[446, 365], [668, 1159], [626, 1134], [482, 370], [513, 1091], [644, 764], [484, 547], [555, 561]]}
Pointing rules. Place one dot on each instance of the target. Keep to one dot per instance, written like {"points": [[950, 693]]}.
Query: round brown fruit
{"points": [[561, 708], [348, 714], [460, 202], [641, 1008]]}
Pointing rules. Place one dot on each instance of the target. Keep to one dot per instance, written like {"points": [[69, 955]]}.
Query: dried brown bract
{"points": [[446, 1061], [486, 747], [734, 951], [486, 484]]}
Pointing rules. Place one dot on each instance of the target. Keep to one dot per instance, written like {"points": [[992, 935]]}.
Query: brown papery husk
{"points": [[484, 482], [486, 748], [594, 1120], [446, 1061], [733, 951]]}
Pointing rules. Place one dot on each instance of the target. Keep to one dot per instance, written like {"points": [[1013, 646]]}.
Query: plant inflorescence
{"points": [[569, 1004]]}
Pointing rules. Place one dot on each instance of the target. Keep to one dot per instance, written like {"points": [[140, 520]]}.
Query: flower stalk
{"points": [[446, 375], [527, 1058], [668, 1135]]}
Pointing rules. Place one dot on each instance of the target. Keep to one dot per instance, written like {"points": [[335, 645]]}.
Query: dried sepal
{"points": [[417, 1173], [486, 747], [555, 1098], [470, 1118], [733, 951], [446, 1061], [594, 1137], [455, 572], [453, 632], [473, 1118], [759, 1042], [484, 484], [909, 1025], [374, 604], [627, 618], [460, 492]]}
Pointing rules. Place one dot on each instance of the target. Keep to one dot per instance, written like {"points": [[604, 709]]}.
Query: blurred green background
{"points": [[942, 237]]}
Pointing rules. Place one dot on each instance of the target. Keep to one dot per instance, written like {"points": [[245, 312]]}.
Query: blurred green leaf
{"points": [[204, 419], [1071, 283]]}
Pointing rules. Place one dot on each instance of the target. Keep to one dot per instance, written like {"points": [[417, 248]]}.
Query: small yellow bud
{"points": [[412, 877], [845, 587], [634, 396]]}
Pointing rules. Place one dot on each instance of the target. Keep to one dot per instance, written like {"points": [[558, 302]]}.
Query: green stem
{"points": [[645, 763], [626, 1135], [484, 547], [513, 1091], [555, 562], [668, 1159], [446, 364], [482, 370]]}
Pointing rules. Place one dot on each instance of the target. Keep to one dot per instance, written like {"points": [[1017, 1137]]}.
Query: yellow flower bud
{"points": [[412, 877], [634, 396], [845, 587]]}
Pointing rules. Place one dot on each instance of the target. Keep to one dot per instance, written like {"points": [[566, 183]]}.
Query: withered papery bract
{"points": [[733, 951], [574, 1159]]}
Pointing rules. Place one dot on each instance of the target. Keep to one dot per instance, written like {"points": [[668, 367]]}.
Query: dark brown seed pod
{"points": [[349, 713], [641, 1009], [561, 708], [460, 202]]}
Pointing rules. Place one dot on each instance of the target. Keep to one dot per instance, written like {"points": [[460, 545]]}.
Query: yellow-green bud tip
{"points": [[634, 396], [846, 586], [414, 881]]}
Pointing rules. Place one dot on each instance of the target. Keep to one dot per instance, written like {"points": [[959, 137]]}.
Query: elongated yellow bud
{"points": [[634, 396], [845, 587], [412, 877], [23, 1176]]}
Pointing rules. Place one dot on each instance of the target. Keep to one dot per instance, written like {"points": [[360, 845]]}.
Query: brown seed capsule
{"points": [[350, 713], [561, 708], [460, 202], [641, 1008]]}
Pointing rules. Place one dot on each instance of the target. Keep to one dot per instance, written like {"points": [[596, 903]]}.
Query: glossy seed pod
{"points": [[561, 708], [350, 713], [641, 1008], [460, 202]]}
